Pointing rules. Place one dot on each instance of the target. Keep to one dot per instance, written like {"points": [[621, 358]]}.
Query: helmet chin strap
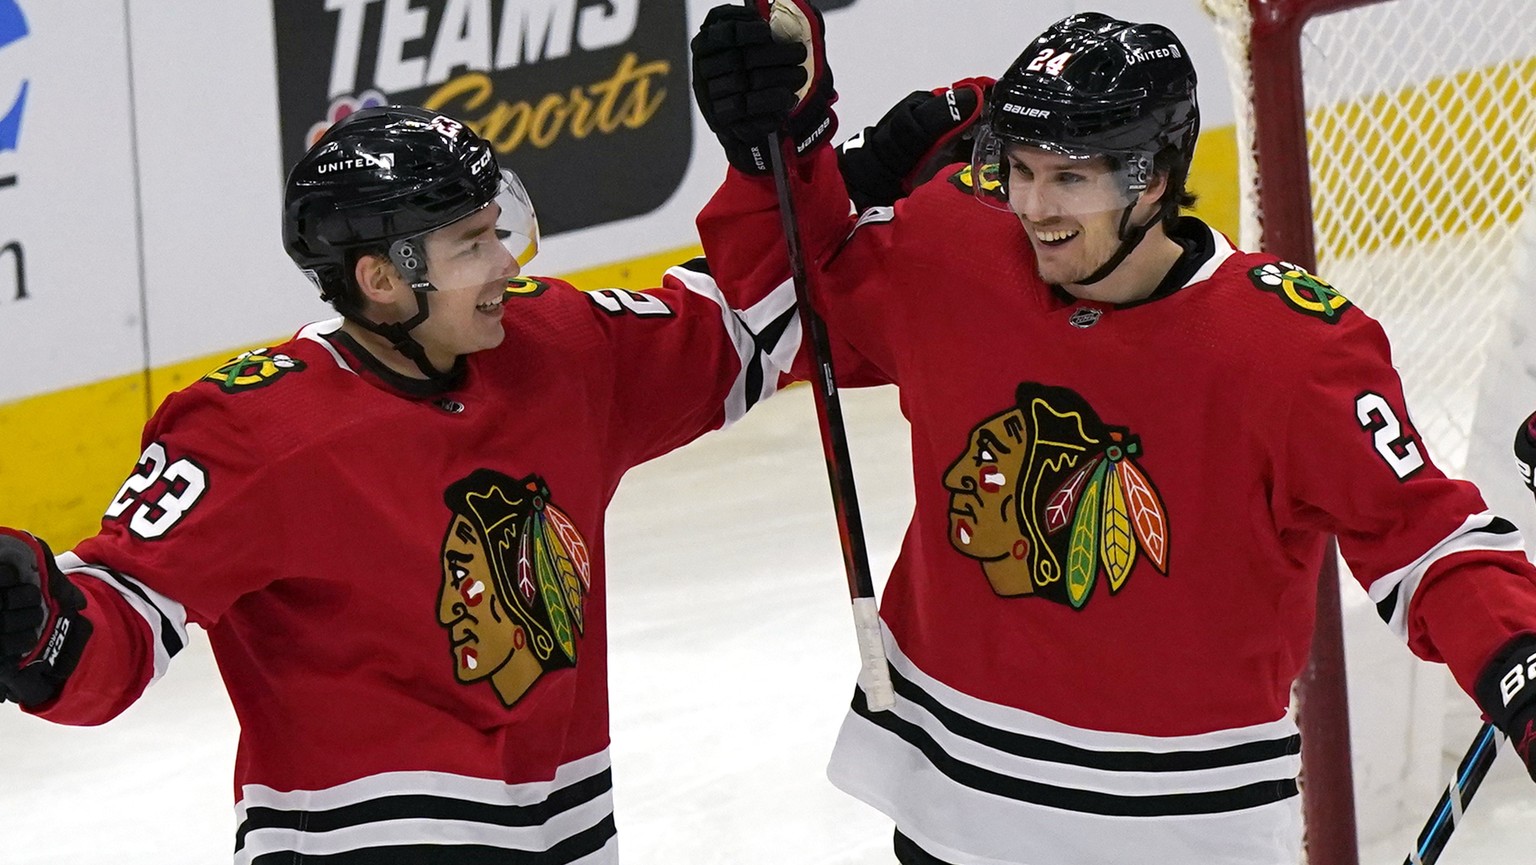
{"points": [[399, 334], [1129, 240]]}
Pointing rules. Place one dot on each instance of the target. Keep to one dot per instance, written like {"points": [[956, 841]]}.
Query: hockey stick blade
{"points": [[875, 674], [1453, 802]]}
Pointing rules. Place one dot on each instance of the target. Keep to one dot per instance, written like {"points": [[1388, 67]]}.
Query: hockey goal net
{"points": [[1389, 145]]}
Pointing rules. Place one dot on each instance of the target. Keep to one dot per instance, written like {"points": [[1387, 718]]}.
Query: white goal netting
{"points": [[1421, 145]]}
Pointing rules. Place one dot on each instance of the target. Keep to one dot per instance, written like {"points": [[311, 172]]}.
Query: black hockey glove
{"points": [[920, 134], [42, 632], [1506, 692], [757, 71], [1525, 452]]}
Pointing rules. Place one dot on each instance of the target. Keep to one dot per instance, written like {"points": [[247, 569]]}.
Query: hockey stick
{"points": [[875, 677], [1448, 811]]}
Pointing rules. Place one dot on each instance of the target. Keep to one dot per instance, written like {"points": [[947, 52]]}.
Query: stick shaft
{"points": [[875, 677], [1448, 811]]}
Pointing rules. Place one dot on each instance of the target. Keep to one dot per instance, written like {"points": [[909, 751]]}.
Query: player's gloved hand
{"points": [[1525, 452], [1506, 691], [757, 70], [923, 132], [42, 631]]}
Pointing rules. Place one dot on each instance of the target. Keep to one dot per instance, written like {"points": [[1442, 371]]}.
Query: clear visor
{"points": [[1040, 179], [488, 246]]}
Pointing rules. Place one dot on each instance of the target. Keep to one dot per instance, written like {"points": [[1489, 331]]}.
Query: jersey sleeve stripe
{"points": [[1392, 593], [167, 619], [766, 336]]}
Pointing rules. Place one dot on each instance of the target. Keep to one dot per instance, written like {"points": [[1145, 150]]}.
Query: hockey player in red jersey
{"points": [[1131, 443], [391, 526]]}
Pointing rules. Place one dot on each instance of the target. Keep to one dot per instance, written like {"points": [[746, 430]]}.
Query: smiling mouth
{"points": [[492, 305], [1055, 238]]}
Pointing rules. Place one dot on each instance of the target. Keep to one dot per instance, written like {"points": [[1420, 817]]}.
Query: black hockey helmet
{"points": [[1096, 85], [1092, 82], [384, 177], [379, 182]]}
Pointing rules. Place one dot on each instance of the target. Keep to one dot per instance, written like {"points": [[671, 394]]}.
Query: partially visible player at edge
{"points": [[1131, 443], [391, 526]]}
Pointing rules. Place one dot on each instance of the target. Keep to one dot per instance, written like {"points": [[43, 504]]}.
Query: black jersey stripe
{"points": [[123, 583], [1038, 748], [1387, 608], [425, 806], [764, 344], [1497, 526], [1071, 799], [583, 843]]}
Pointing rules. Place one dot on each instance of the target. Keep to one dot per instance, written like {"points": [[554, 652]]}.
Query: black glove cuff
{"points": [[32, 580], [1506, 689]]}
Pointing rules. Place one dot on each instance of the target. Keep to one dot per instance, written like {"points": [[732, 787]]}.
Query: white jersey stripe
{"points": [[766, 336], [1017, 721], [317, 331], [167, 619], [1223, 251], [976, 783], [1393, 592], [565, 820], [461, 787]]}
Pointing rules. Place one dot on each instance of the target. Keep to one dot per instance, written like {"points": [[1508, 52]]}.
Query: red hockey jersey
{"points": [[1108, 584], [404, 588]]}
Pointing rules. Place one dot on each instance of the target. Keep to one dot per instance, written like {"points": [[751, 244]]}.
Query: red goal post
{"points": [[1388, 145]]}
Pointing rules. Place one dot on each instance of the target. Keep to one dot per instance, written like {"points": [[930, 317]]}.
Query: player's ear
{"points": [[1157, 187], [376, 278]]}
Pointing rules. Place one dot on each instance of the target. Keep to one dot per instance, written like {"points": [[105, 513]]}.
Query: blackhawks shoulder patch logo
{"points": [[1301, 291], [253, 369], [515, 577], [525, 286], [1049, 498], [991, 181]]}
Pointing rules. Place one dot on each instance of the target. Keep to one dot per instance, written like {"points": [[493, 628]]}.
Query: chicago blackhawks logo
{"points": [[1048, 497], [1301, 291], [991, 181], [252, 369], [515, 576]]}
